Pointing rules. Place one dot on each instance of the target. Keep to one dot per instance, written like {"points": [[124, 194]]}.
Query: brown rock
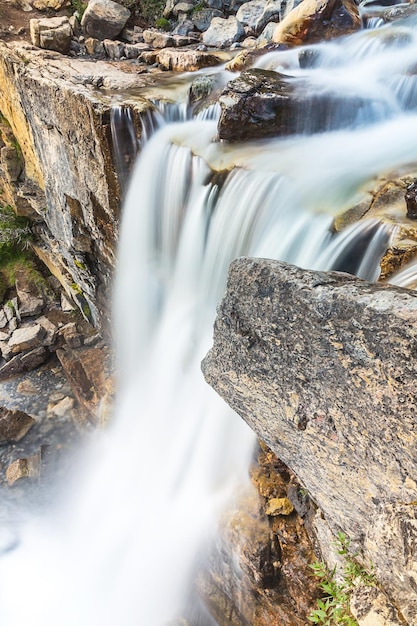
{"points": [[24, 362], [29, 296], [313, 21], [23, 468], [322, 366], [14, 425]]}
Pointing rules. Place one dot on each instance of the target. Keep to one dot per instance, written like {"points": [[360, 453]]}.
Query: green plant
{"points": [[151, 10], [333, 607], [15, 234], [79, 7], [163, 24], [80, 265]]}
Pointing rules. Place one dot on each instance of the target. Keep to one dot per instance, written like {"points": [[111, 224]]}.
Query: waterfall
{"points": [[124, 545]]}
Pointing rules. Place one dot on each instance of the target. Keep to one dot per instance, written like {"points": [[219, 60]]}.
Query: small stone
{"points": [[27, 388], [62, 408], [66, 304], [14, 425], [278, 506], [23, 468]]}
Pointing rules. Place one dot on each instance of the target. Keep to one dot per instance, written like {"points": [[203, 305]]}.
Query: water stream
{"points": [[123, 547]]}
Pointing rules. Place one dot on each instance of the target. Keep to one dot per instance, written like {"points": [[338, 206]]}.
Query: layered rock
{"points": [[64, 177], [322, 367]]}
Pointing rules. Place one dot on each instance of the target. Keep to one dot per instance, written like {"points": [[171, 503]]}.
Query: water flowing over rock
{"points": [[262, 103], [322, 367]]}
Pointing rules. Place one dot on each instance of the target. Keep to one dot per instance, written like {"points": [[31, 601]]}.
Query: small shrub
{"points": [[333, 608], [163, 24]]}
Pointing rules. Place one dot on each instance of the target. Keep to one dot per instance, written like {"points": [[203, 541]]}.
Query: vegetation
{"points": [[333, 607], [151, 10], [163, 24], [79, 7], [15, 235]]}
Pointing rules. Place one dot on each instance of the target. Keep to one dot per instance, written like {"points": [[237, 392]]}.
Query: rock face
{"points": [[63, 175], [322, 366]]}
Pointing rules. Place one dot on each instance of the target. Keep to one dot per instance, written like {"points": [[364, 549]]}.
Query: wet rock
{"points": [[258, 572], [278, 506], [349, 440], [261, 103], [104, 19], [313, 21], [186, 60], [411, 201], [14, 425], [223, 32], [23, 468], [26, 338], [54, 33]]}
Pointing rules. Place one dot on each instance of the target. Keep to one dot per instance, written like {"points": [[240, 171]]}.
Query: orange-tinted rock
{"points": [[313, 21]]}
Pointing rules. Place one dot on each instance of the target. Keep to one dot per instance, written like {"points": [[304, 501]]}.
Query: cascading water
{"points": [[124, 546]]}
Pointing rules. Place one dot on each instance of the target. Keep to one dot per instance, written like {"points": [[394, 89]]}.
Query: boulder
{"points": [[223, 32], [185, 60], [323, 366], [157, 39], [317, 20], [14, 425], [273, 12], [250, 12], [23, 362], [26, 338], [202, 18], [262, 103], [54, 33], [104, 19]]}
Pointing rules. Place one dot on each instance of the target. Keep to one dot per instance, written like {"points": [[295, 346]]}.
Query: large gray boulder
{"points": [[250, 12], [222, 33], [323, 367], [104, 19]]}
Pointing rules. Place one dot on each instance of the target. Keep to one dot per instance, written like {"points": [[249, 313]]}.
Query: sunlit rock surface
{"points": [[322, 366], [57, 165]]}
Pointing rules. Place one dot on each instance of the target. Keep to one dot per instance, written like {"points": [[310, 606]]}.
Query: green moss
{"points": [[80, 265], [163, 24]]}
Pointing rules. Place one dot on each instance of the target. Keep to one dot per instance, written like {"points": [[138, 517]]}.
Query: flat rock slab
{"points": [[323, 367]]}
